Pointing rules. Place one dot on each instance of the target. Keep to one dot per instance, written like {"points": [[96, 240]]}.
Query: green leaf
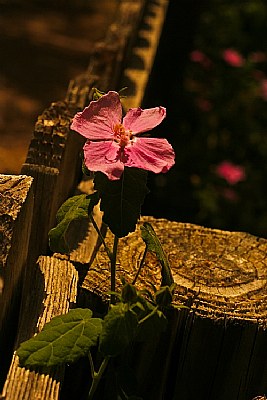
{"points": [[97, 94], [129, 293], [121, 200], [164, 296], [64, 339], [152, 241], [75, 208], [119, 328]]}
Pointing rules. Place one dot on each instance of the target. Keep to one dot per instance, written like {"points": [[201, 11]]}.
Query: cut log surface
{"points": [[51, 292], [16, 206], [220, 350]]}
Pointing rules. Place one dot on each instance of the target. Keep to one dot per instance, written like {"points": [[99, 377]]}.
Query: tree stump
{"points": [[16, 205], [217, 347]]}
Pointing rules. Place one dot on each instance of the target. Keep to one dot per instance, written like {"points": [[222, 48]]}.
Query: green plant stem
{"points": [[91, 365], [140, 266], [113, 269], [109, 253], [96, 375], [148, 315]]}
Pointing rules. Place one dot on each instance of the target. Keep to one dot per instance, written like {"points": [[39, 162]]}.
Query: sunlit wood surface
{"points": [[41, 48]]}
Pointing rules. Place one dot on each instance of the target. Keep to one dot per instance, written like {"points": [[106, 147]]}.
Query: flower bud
{"points": [[128, 293]]}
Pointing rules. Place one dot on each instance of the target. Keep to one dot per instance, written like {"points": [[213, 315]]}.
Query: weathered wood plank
{"points": [[222, 278], [52, 151], [16, 205], [139, 64], [51, 291]]}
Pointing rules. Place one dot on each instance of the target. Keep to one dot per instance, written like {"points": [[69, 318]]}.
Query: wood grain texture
{"points": [[51, 291], [221, 339], [16, 205], [54, 163], [139, 64]]}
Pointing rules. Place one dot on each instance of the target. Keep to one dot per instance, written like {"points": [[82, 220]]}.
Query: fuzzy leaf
{"points": [[63, 340], [119, 328], [75, 208], [152, 241], [121, 200]]}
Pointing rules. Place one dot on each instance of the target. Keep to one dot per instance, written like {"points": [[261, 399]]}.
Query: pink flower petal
{"points": [[154, 155], [104, 157], [233, 58], [98, 119], [232, 173], [138, 120]]}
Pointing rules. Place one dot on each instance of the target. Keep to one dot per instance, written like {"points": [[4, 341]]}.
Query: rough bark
{"points": [[16, 205], [54, 163], [218, 349]]}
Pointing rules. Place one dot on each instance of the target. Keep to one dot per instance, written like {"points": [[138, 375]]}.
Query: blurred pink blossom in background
{"points": [[233, 58], [201, 58], [232, 173]]}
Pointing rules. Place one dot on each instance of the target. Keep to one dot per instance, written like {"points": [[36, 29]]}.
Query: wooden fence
{"points": [[216, 349]]}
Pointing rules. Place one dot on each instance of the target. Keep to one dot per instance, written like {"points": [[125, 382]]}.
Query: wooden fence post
{"points": [[16, 205], [52, 291], [217, 347]]}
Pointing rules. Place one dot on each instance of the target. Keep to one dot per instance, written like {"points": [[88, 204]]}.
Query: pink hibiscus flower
{"points": [[233, 58], [230, 172], [114, 142]]}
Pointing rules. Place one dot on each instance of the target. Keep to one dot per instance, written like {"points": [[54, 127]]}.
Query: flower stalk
{"points": [[96, 375], [113, 269], [109, 253]]}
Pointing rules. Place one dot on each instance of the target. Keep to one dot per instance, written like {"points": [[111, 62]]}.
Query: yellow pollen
{"points": [[121, 136]]}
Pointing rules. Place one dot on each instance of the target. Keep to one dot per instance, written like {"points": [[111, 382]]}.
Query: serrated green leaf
{"points": [[119, 328], [152, 241], [121, 200], [75, 208], [64, 339]]}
